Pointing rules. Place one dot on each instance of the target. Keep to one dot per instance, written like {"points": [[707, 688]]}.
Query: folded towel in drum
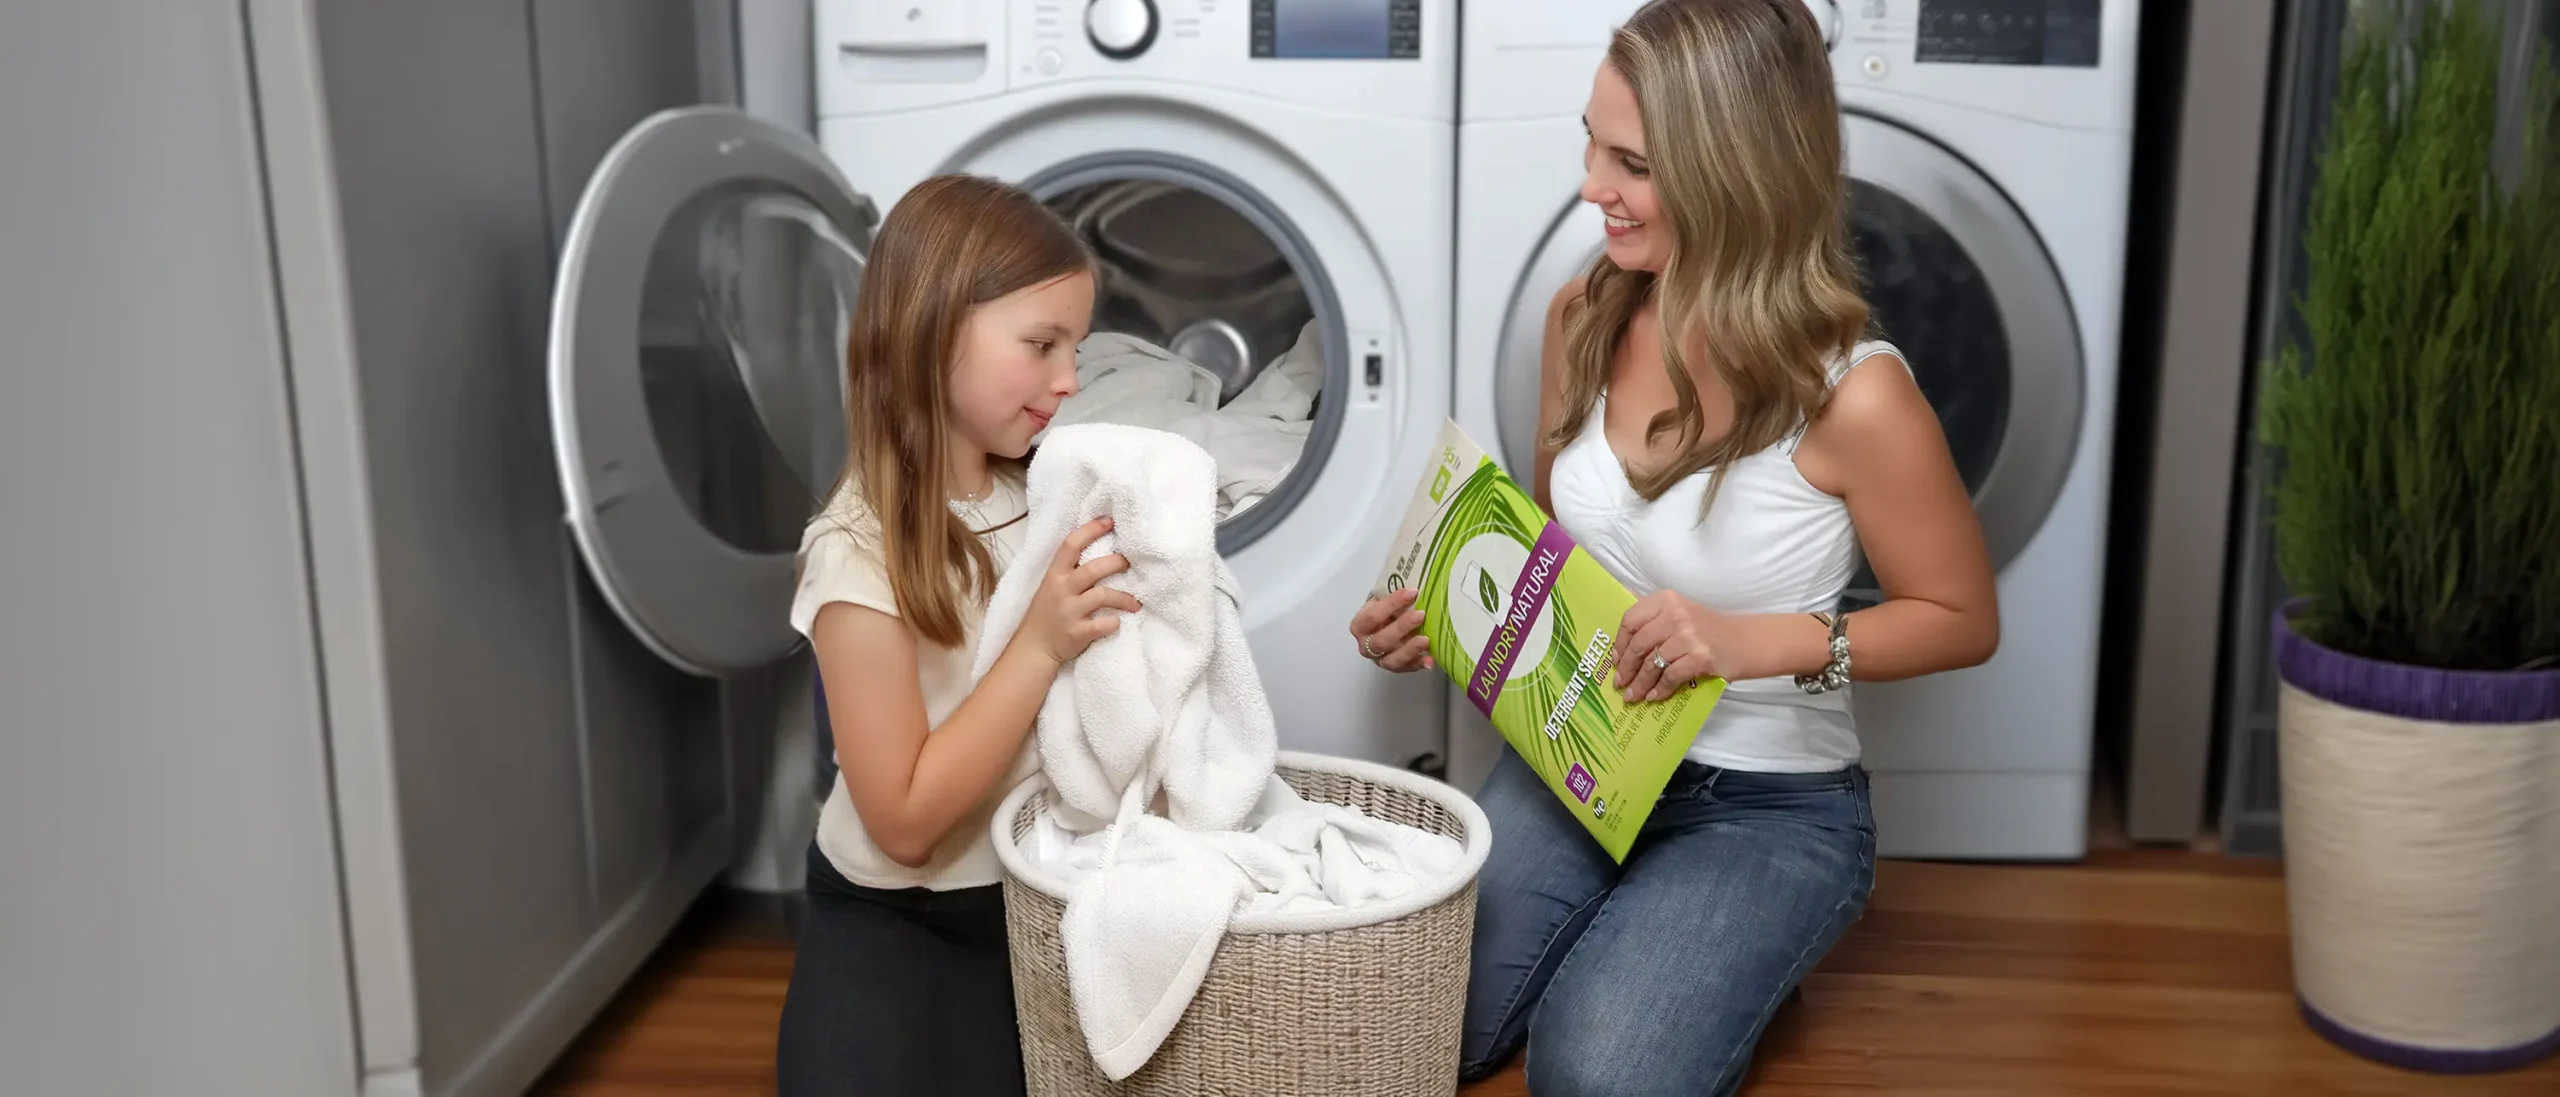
{"points": [[1254, 440], [1127, 380]]}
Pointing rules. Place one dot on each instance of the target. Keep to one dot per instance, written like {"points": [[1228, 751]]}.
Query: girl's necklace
{"points": [[970, 507]]}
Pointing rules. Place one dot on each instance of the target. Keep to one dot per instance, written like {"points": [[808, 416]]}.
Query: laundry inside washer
{"points": [[1183, 270], [1201, 327]]}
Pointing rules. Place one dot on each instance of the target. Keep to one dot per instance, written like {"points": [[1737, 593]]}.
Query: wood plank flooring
{"points": [[2135, 972]]}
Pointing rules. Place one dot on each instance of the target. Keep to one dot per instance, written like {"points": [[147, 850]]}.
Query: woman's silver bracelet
{"points": [[1834, 674]]}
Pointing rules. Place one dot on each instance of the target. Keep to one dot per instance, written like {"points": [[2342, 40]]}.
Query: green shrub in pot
{"points": [[2414, 433]]}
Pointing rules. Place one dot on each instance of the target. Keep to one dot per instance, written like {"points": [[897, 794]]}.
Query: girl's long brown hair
{"points": [[952, 243], [1742, 130]]}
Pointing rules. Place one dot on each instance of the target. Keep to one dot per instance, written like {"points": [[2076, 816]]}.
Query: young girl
{"points": [[963, 343], [1718, 437]]}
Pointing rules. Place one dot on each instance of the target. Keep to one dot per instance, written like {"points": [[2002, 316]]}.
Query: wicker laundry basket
{"points": [[1364, 1001]]}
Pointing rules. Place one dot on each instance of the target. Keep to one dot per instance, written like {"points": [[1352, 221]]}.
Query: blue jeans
{"points": [[1657, 977]]}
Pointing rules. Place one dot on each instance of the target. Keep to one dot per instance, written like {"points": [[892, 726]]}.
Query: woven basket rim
{"points": [[1478, 843]]}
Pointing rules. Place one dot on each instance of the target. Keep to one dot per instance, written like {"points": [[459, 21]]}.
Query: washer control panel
{"points": [[1370, 30]]}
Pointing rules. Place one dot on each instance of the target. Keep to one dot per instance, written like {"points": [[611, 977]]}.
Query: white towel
{"points": [[1139, 932], [1171, 705], [1177, 679], [1296, 856], [1170, 708]]}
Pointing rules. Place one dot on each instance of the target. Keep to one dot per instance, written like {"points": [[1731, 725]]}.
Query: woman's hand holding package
{"points": [[1666, 642], [1385, 628]]}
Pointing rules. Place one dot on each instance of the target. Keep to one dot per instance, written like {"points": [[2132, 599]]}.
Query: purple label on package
{"points": [[1579, 780], [1528, 596]]}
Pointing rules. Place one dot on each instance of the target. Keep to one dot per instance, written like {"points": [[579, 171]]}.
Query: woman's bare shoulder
{"points": [[1876, 414]]}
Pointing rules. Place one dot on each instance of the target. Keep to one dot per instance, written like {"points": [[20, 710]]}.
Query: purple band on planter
{"points": [[2412, 692], [2429, 1059]]}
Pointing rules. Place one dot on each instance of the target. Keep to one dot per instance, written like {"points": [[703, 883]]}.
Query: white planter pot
{"points": [[2422, 857]]}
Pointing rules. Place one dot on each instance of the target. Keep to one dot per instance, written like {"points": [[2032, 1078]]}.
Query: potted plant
{"points": [[2414, 433]]}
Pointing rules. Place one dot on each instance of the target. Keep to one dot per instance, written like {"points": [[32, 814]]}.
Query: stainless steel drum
{"points": [[1184, 271]]}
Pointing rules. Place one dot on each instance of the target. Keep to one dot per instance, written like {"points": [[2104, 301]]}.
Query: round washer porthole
{"points": [[1199, 263]]}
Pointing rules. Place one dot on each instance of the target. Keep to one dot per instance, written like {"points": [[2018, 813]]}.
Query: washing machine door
{"points": [[1956, 279], [1196, 259], [696, 376], [1573, 242], [1960, 282]]}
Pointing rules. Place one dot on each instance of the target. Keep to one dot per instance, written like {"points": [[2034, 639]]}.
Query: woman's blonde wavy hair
{"points": [[1742, 134]]}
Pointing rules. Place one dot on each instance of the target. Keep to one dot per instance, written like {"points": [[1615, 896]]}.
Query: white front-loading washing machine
{"points": [[1989, 152], [1259, 179]]}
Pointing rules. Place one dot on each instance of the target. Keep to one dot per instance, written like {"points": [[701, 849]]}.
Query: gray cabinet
{"points": [[332, 762], [169, 900], [558, 794]]}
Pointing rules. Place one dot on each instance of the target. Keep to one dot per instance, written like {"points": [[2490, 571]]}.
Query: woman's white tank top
{"points": [[1773, 544]]}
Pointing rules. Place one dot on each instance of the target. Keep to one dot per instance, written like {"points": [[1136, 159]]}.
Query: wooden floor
{"points": [[2137, 972]]}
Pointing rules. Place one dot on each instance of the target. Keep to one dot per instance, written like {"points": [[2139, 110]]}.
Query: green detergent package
{"points": [[1524, 621]]}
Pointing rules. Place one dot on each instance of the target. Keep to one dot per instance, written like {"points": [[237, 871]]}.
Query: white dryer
{"points": [[1252, 173], [1989, 150]]}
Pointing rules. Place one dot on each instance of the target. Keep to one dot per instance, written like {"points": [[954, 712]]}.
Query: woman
{"points": [[1718, 436]]}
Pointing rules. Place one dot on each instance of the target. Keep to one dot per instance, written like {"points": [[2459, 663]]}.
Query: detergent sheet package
{"points": [[1525, 622]]}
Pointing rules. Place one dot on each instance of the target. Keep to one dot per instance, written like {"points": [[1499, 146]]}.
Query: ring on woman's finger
{"points": [[1660, 663], [1373, 656]]}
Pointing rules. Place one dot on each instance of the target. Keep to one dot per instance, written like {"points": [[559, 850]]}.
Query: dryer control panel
{"points": [[2064, 62], [2061, 62], [2008, 32]]}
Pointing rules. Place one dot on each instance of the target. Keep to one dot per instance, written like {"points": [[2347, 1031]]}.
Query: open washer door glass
{"points": [[696, 376], [1957, 279]]}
